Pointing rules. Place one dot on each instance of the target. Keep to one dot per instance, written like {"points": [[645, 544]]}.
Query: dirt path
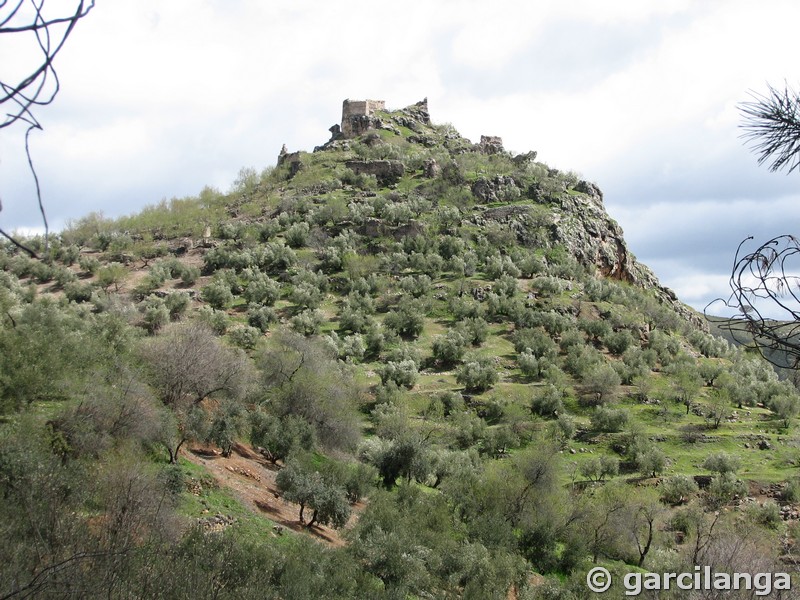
{"points": [[252, 479]]}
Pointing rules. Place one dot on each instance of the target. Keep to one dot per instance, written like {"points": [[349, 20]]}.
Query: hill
{"points": [[453, 339]]}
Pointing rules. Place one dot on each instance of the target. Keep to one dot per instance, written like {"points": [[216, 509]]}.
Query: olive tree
{"points": [[189, 361], [302, 376], [279, 437], [327, 501]]}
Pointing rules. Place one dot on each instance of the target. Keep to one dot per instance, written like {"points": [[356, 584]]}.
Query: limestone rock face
{"points": [[498, 189], [587, 231], [580, 223]]}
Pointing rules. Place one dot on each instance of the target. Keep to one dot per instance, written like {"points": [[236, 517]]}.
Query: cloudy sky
{"points": [[159, 99]]}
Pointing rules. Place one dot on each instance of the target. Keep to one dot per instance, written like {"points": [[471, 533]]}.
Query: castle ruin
{"points": [[357, 116]]}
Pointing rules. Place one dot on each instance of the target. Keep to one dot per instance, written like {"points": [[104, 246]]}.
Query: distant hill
{"points": [[720, 326]]}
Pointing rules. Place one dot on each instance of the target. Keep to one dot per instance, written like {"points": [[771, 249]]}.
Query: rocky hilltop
{"points": [[527, 197]]}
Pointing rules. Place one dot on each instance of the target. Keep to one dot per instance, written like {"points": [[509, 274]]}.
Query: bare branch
{"points": [[41, 85], [30, 91], [766, 282]]}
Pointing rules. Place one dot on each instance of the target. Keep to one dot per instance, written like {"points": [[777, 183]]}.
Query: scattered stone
{"points": [[216, 524], [244, 472]]}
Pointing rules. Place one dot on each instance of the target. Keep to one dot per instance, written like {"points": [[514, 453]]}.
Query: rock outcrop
{"points": [[580, 223], [491, 144]]}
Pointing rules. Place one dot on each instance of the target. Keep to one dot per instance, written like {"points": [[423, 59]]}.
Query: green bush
{"points": [[352, 348], [601, 382], [408, 320], [598, 468], [477, 375], [89, 264], [452, 403], [63, 276], [548, 402], [416, 285], [498, 265], [245, 336], [307, 322], [297, 235], [650, 462], [791, 493], [111, 274], [69, 254], [677, 489], [548, 286], [722, 463], [767, 514], [537, 341], [78, 292], [155, 313], [529, 364], [280, 437], [724, 488], [474, 330], [306, 296], [261, 317], [217, 294], [189, 274], [609, 419], [402, 373], [217, 320], [618, 342], [263, 290], [449, 349], [327, 502], [177, 303]]}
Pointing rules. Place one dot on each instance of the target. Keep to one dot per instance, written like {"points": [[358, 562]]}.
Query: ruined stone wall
{"points": [[356, 115], [386, 172]]}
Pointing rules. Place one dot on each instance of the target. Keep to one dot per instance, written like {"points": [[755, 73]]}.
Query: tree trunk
{"points": [[643, 552], [173, 454]]}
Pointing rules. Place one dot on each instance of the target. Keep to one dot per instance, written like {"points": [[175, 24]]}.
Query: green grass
{"points": [[215, 500]]}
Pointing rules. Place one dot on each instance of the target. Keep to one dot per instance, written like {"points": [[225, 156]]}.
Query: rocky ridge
{"points": [[577, 220]]}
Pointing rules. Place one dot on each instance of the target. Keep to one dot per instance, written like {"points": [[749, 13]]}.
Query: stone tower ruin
{"points": [[357, 116]]}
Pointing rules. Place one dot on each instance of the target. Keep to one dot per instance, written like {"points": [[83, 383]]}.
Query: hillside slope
{"points": [[458, 334]]}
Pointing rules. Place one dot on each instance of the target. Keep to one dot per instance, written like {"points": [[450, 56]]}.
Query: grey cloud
{"points": [[568, 56]]}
